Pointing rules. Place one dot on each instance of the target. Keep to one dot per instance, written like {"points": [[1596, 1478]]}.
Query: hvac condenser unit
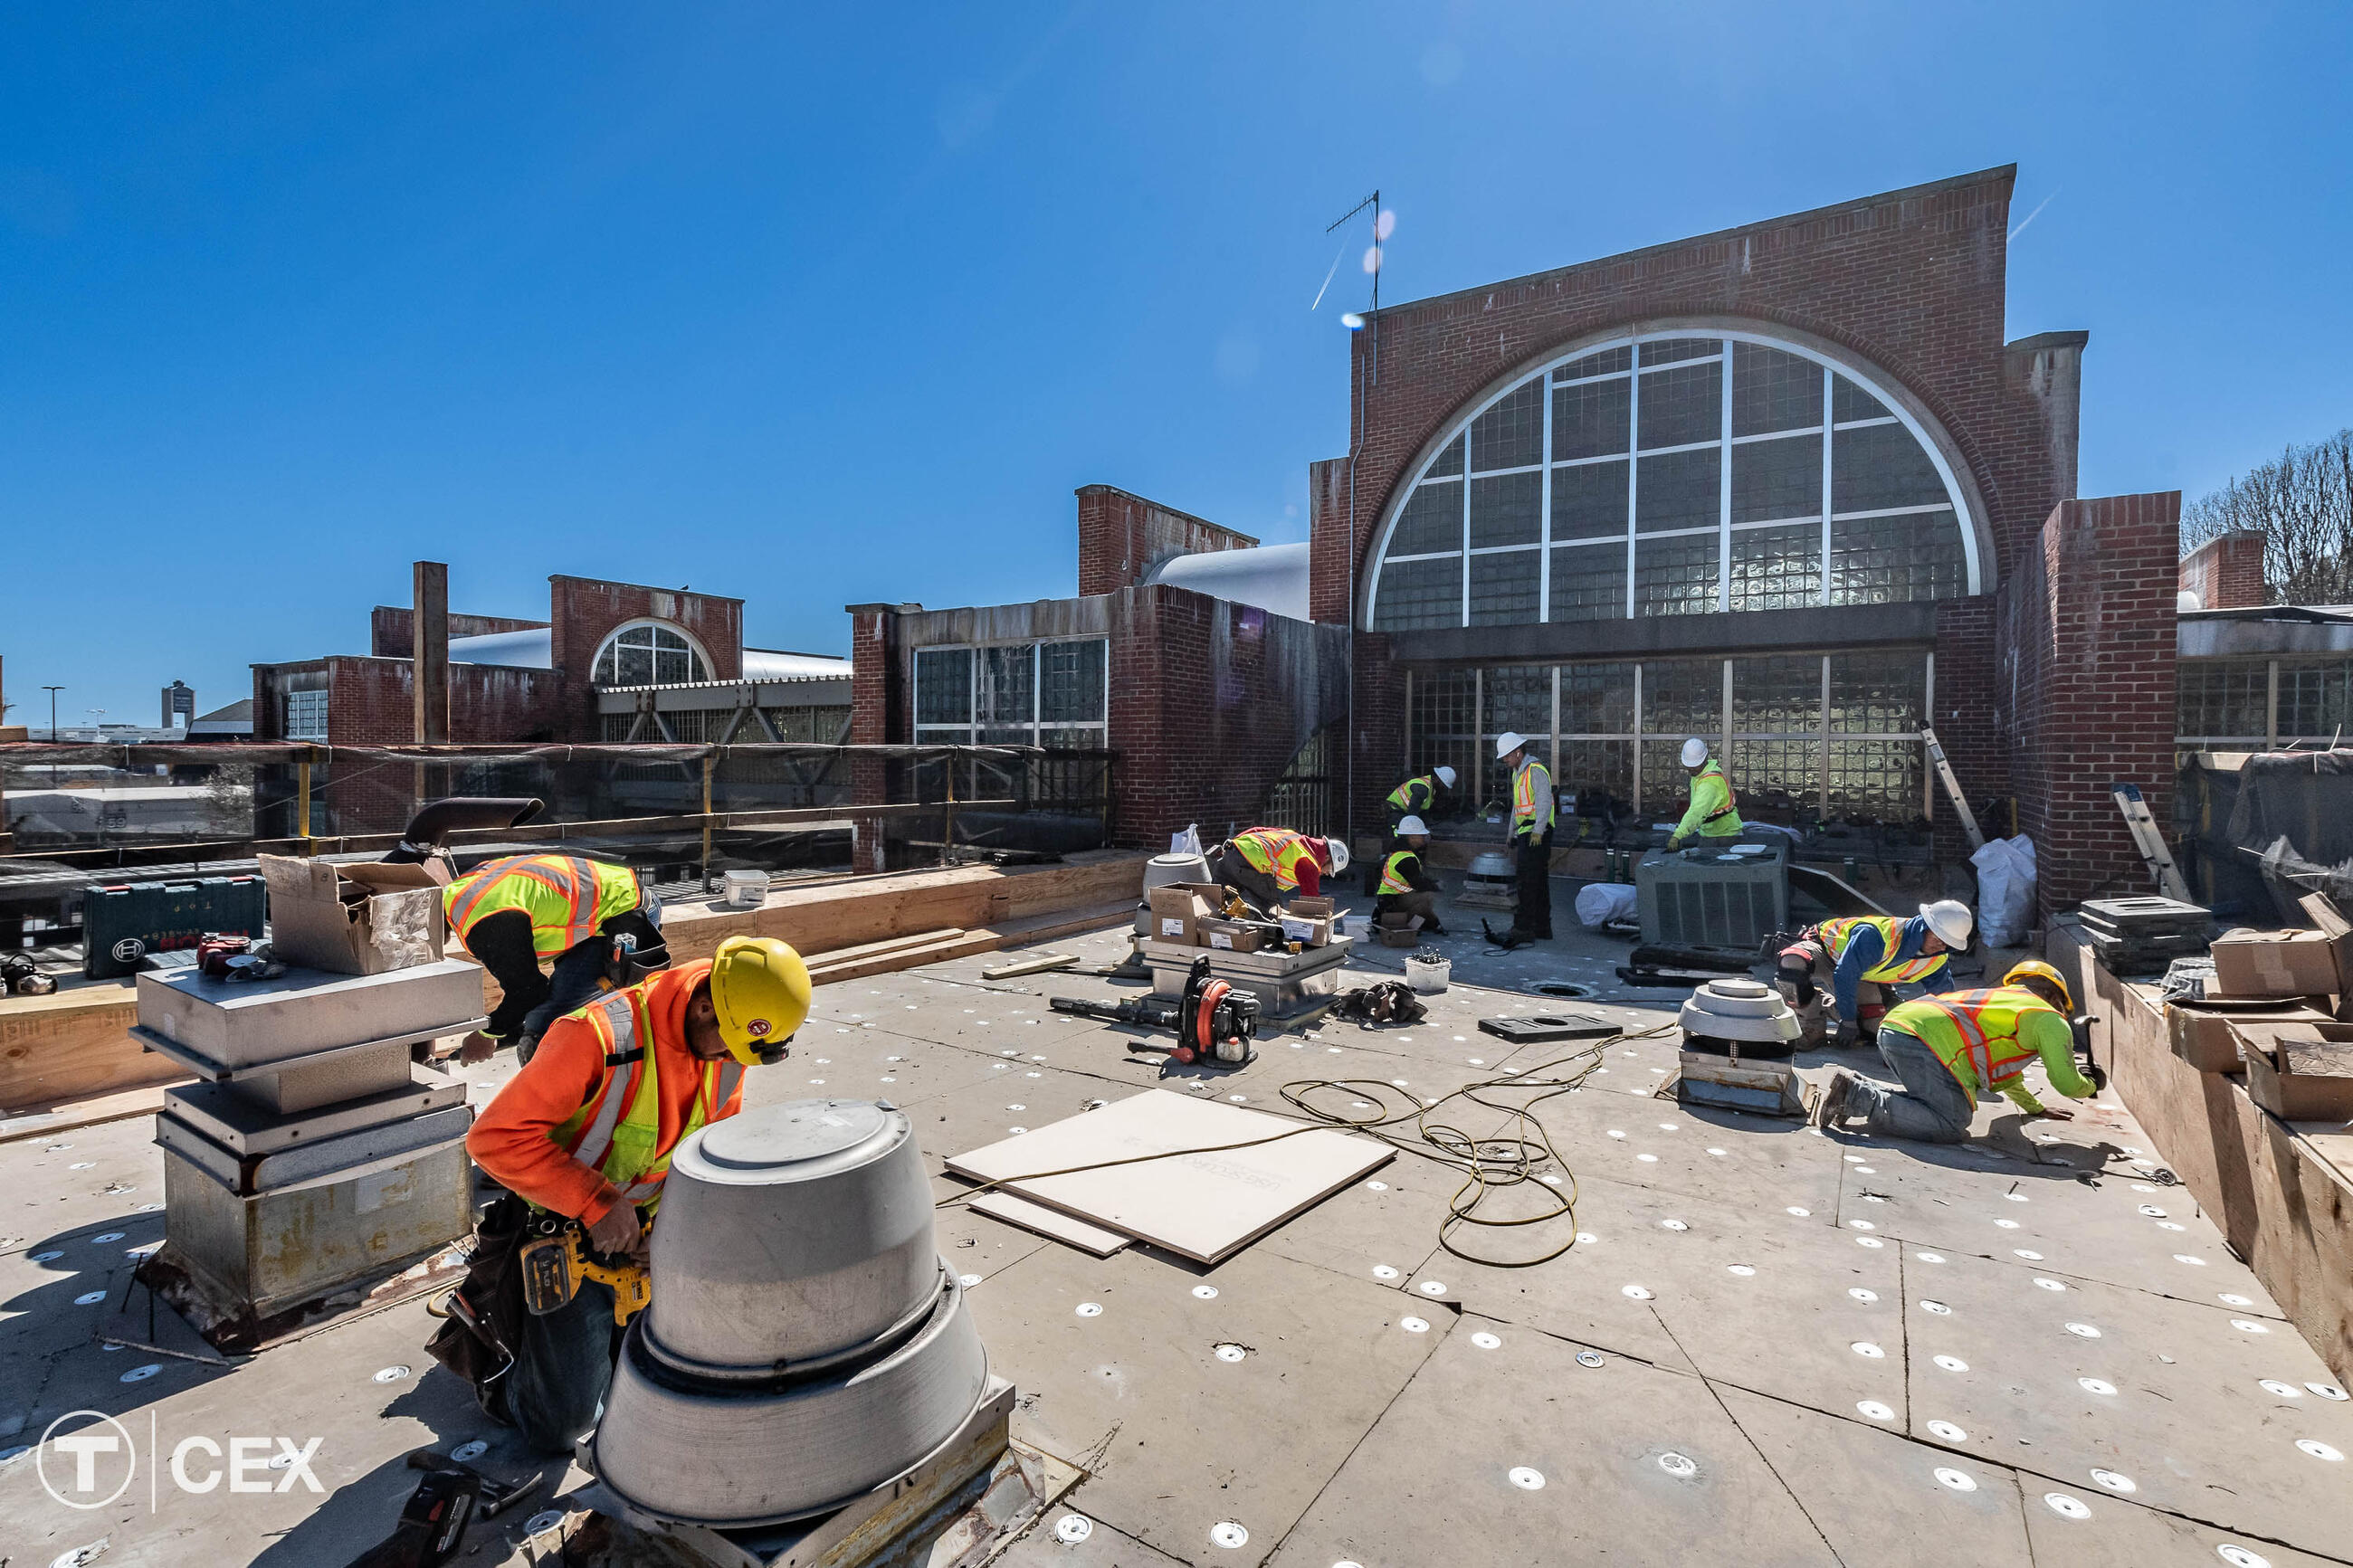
{"points": [[1730, 896]]}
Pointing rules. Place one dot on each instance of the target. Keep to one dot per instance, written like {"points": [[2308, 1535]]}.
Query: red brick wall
{"points": [[2086, 643], [388, 635], [876, 702], [1122, 536], [1210, 701], [2226, 572], [582, 612], [1967, 715]]}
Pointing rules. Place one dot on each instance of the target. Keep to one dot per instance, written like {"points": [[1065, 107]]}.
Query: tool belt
{"points": [[482, 1319], [1719, 816]]}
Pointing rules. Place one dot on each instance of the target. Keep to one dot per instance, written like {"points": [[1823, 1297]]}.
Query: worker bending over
{"points": [[1407, 889], [1532, 814], [584, 1132], [514, 913], [1952, 1050], [1855, 959], [1269, 866], [1713, 812]]}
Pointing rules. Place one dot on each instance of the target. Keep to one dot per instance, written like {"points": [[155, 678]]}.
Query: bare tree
{"points": [[2303, 506]]}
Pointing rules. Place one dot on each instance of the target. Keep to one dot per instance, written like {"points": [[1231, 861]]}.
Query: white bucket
{"points": [[744, 890], [1429, 978], [1356, 928]]}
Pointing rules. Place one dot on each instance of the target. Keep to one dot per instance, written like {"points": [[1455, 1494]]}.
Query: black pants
{"points": [[1532, 912], [1228, 867]]}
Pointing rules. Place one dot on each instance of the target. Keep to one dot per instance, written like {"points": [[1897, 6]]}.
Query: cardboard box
{"points": [[1402, 936], [1178, 910], [2323, 912], [2202, 1033], [1233, 936], [355, 920], [2300, 1072], [1309, 920], [2258, 963]]}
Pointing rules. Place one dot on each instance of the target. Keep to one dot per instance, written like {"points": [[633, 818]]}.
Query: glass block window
{"points": [[1813, 735], [1649, 438], [306, 716], [1588, 582], [1015, 694], [2222, 700], [648, 653], [1503, 588], [2313, 705]]}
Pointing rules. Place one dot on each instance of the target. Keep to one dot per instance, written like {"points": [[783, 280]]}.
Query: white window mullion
{"points": [[1724, 518], [1466, 527], [1544, 537], [1827, 394], [1633, 501]]}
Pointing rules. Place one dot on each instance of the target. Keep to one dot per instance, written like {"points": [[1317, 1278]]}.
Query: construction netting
{"points": [[2256, 838], [767, 805]]}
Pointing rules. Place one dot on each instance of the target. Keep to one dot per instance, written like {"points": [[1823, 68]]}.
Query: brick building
{"points": [[610, 661], [1789, 487]]}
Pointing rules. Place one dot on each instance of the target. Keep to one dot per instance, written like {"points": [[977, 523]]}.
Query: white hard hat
{"points": [[1412, 824], [1445, 776], [1338, 849], [1507, 742], [1694, 751], [1950, 920]]}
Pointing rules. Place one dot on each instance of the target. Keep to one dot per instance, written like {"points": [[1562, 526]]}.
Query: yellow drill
{"points": [[556, 1263]]}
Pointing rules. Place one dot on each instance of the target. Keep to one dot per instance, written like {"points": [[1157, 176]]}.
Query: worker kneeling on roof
{"points": [[1714, 812], [584, 1134], [1848, 967], [1407, 889], [1269, 866], [511, 914], [1418, 797], [1952, 1050]]}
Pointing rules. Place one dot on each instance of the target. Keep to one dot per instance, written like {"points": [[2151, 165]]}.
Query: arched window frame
{"points": [[695, 648], [1943, 455]]}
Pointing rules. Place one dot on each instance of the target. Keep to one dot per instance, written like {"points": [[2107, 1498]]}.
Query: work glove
{"points": [[1674, 843], [1848, 1035]]}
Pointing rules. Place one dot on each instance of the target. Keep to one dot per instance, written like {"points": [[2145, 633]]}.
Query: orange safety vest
{"points": [[618, 1132], [568, 898], [1835, 934], [1979, 1027], [1277, 852]]}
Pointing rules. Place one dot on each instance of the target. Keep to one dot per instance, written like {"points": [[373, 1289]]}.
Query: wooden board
{"points": [[73, 1045], [1200, 1204], [1052, 1224]]}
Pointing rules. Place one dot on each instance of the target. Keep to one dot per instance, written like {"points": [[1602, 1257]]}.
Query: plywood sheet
{"points": [[1202, 1205], [1091, 1239]]}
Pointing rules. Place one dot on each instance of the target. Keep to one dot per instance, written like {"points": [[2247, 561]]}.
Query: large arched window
{"points": [[1675, 473], [649, 653]]}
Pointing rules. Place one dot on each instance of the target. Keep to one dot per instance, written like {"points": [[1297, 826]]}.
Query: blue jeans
{"points": [[576, 978], [555, 1390], [1932, 1106]]}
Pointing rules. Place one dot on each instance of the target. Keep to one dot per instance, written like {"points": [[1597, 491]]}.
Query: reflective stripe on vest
{"points": [[1713, 769], [566, 898], [1523, 793], [1276, 851], [1984, 1030], [1889, 971], [1402, 798], [618, 1132], [1393, 879]]}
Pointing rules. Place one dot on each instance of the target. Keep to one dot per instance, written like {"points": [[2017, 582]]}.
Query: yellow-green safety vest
{"points": [[1835, 934], [1402, 798], [618, 1132], [1276, 851], [567, 896], [1979, 1028], [1393, 873], [1718, 819], [1531, 783]]}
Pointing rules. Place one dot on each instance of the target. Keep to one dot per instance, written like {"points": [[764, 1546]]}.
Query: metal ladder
{"points": [[1953, 789], [2149, 842]]}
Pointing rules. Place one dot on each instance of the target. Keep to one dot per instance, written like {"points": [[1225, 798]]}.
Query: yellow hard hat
{"points": [[2035, 969], [761, 991]]}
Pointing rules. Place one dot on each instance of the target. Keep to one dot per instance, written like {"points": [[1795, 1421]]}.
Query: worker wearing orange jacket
{"points": [[586, 1130]]}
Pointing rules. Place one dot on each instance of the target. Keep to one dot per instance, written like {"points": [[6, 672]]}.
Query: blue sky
{"points": [[823, 305]]}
